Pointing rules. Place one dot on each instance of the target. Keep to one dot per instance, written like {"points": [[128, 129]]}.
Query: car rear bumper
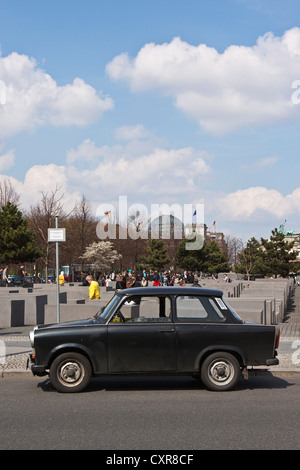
{"points": [[272, 362]]}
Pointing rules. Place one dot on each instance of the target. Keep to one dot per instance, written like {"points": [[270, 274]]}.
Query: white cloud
{"points": [[222, 91], [33, 98], [131, 132], [256, 202], [87, 152], [104, 173], [260, 165], [7, 160], [162, 176], [267, 162], [158, 172], [43, 178]]}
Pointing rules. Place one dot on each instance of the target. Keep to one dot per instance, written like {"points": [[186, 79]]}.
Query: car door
{"points": [[144, 343], [200, 325]]}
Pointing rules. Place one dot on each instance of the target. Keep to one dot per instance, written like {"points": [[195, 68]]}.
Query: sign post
{"points": [[57, 235]]}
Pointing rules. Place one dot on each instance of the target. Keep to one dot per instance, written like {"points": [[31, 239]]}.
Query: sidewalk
{"points": [[15, 341], [17, 349]]}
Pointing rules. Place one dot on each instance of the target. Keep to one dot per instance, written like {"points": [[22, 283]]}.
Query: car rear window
{"points": [[198, 309]]}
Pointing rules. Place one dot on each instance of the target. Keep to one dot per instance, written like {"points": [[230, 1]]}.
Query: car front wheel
{"points": [[70, 372], [220, 371]]}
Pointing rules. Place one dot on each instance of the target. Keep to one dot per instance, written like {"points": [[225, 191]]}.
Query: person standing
{"points": [[94, 288], [21, 274], [5, 275]]}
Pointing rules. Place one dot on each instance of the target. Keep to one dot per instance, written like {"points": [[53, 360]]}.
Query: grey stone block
{"points": [[12, 312]]}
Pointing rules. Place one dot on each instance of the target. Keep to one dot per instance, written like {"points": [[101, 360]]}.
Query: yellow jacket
{"points": [[94, 290]]}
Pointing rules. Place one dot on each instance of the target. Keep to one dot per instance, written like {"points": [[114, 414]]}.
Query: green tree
{"points": [[215, 260], [209, 258], [278, 254], [268, 257], [155, 255], [251, 259], [190, 260], [17, 242]]}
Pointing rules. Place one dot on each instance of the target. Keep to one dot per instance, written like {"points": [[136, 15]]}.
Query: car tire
{"points": [[220, 371], [70, 372]]}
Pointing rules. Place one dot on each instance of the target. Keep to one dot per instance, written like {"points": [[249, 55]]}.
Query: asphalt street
{"points": [[151, 414], [167, 413]]}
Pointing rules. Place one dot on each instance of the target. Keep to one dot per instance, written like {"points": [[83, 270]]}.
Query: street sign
{"points": [[56, 234]]}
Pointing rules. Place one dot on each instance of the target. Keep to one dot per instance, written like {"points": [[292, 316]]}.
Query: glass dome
{"points": [[166, 227]]}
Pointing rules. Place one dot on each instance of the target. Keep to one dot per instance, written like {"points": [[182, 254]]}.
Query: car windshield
{"points": [[106, 311]]}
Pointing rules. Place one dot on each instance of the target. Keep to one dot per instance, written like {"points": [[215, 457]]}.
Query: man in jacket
{"points": [[94, 288]]}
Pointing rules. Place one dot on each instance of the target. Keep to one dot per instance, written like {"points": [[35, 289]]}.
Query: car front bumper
{"points": [[36, 369]]}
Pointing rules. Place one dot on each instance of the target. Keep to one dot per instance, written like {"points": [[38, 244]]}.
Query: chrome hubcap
{"points": [[71, 372], [221, 372]]}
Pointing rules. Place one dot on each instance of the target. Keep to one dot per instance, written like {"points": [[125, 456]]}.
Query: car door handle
{"points": [[167, 331]]}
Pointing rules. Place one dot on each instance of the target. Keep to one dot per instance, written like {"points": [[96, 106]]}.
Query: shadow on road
{"points": [[267, 381]]}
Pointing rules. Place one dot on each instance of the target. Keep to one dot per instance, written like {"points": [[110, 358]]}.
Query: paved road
{"points": [[146, 413], [150, 413]]}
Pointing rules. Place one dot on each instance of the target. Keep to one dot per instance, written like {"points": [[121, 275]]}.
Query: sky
{"points": [[163, 102]]}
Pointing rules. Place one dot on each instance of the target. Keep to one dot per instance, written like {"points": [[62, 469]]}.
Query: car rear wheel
{"points": [[70, 372], [220, 371]]}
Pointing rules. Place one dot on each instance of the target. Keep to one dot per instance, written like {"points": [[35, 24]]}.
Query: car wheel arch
{"points": [[236, 352], [72, 348]]}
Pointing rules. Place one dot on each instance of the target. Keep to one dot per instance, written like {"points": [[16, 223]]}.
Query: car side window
{"points": [[146, 309], [197, 309]]}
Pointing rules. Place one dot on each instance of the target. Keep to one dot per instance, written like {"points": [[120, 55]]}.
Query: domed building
{"points": [[170, 229], [166, 227]]}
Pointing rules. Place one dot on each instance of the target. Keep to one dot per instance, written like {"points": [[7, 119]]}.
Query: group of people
{"points": [[127, 279], [4, 279]]}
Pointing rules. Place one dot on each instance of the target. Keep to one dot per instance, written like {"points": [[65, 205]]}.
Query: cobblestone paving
{"points": [[15, 361]]}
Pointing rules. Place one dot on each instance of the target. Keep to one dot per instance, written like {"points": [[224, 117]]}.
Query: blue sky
{"points": [[163, 101]]}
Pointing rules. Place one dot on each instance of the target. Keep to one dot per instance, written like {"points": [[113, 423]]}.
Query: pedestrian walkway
{"points": [[290, 327]]}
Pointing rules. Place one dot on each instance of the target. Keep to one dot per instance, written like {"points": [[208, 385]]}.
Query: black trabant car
{"points": [[158, 330]]}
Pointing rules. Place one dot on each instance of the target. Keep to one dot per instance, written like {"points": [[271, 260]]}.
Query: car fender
{"points": [[61, 348], [237, 352]]}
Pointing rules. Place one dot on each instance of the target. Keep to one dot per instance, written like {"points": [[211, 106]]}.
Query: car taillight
{"points": [[277, 339]]}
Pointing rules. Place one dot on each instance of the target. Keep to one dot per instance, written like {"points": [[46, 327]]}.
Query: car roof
{"points": [[170, 291]]}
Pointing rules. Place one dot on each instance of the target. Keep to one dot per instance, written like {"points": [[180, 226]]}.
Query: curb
{"points": [[274, 373], [17, 372]]}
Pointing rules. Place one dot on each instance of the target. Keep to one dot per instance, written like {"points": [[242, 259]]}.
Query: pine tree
{"points": [[155, 255], [278, 254], [192, 260], [209, 259], [268, 257], [17, 242], [215, 260]]}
